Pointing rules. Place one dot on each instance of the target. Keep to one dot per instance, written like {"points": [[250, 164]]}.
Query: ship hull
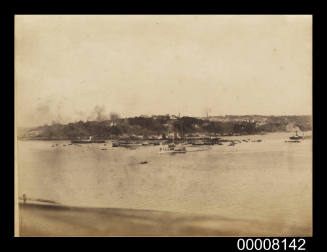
{"points": [[87, 142], [296, 137]]}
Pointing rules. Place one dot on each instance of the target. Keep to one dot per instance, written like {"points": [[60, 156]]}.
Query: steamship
{"points": [[297, 137]]}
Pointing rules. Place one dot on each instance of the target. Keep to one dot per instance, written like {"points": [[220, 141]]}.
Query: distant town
{"points": [[167, 126]]}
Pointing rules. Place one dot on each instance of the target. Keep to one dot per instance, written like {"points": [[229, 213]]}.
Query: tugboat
{"points": [[297, 137], [87, 141]]}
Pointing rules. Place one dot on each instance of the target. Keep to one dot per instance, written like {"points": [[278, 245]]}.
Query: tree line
{"points": [[162, 125]]}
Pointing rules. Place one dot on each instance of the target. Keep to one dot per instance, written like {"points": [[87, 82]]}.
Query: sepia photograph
{"points": [[163, 125]]}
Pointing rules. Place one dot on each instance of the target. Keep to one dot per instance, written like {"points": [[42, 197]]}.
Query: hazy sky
{"points": [[70, 68]]}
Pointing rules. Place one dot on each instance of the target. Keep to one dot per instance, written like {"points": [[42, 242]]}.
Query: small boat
{"points": [[144, 162], [180, 149], [115, 144], [87, 141], [171, 148], [199, 143], [296, 137], [126, 143]]}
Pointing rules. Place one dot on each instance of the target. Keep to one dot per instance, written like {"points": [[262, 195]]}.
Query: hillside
{"points": [[161, 126]]}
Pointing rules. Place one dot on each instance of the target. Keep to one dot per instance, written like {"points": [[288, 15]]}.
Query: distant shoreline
{"points": [[147, 139], [163, 127]]}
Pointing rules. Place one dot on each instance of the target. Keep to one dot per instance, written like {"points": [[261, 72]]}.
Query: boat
{"points": [[128, 144], [296, 137], [87, 141], [172, 148], [197, 143], [146, 143], [115, 144], [180, 149]]}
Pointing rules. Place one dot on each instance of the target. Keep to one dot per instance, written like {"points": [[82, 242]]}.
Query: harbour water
{"points": [[268, 181]]}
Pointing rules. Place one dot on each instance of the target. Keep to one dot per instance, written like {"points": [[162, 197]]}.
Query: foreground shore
{"points": [[57, 220]]}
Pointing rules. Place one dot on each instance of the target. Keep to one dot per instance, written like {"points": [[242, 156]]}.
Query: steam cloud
{"points": [[99, 114]]}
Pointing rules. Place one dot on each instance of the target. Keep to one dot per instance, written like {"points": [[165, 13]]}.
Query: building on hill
{"points": [[173, 117]]}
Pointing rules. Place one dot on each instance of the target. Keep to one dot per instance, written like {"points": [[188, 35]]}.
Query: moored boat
{"points": [[126, 144], [296, 137], [172, 148], [87, 141]]}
